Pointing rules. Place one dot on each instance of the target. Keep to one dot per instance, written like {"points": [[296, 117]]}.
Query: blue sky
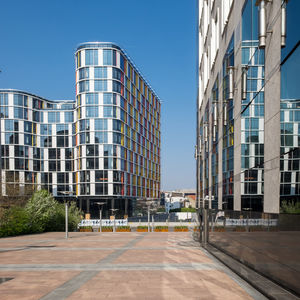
{"points": [[38, 40]]}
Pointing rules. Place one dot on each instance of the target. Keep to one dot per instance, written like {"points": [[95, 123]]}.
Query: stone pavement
{"points": [[114, 265]]}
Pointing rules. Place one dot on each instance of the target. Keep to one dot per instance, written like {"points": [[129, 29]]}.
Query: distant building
{"points": [[177, 199], [104, 146]]}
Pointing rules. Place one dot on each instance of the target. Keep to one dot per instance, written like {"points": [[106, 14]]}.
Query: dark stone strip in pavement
{"points": [[107, 267], [70, 286], [113, 256]]}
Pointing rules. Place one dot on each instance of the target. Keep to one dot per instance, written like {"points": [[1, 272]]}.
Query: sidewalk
{"points": [[114, 265]]}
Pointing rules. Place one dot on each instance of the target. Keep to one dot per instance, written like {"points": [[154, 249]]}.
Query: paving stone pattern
{"points": [[114, 266]]}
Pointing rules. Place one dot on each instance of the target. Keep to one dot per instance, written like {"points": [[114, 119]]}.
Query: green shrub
{"points": [[142, 227], [15, 221], [183, 209], [290, 207], [161, 227], [86, 227], [41, 213], [123, 227], [108, 228], [181, 227]]}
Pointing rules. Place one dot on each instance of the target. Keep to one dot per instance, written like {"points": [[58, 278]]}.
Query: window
{"points": [[3, 99], [100, 85], [107, 111], [53, 117], [117, 74], [101, 176], [9, 125], [100, 72], [91, 57], [84, 73], [107, 57], [91, 98], [92, 111], [28, 127], [20, 100], [69, 117], [109, 98], [117, 86], [84, 86], [100, 124], [18, 112]]}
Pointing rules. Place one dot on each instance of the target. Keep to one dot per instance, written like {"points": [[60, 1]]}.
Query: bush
{"points": [[180, 227], [290, 207], [49, 215], [15, 221], [161, 227], [183, 209], [123, 227], [107, 228], [86, 227], [41, 213], [142, 227]]}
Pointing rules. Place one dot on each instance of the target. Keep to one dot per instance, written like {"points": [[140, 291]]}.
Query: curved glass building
{"points": [[102, 147]]}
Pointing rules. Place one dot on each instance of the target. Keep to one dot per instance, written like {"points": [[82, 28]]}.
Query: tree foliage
{"points": [[290, 207], [41, 213]]}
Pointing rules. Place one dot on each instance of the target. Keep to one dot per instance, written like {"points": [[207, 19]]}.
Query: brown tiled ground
{"points": [[113, 266], [161, 285], [32, 285]]}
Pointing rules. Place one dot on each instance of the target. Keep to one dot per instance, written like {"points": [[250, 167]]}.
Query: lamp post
{"points": [[113, 210], [148, 203], [66, 213], [100, 213]]}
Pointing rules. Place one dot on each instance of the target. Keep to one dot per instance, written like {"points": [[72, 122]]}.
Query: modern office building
{"points": [[104, 146], [248, 106]]}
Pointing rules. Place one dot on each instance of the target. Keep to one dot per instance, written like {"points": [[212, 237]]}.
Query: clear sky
{"points": [[38, 39]]}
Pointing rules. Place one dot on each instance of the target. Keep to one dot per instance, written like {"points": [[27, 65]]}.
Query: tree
{"points": [[15, 221]]}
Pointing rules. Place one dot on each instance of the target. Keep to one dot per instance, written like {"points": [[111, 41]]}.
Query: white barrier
{"points": [[105, 222], [249, 222]]}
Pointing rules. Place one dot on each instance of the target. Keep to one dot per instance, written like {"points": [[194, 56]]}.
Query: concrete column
{"points": [[272, 111]]}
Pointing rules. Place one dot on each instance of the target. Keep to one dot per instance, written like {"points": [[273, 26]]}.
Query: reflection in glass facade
{"points": [[104, 146], [290, 108], [248, 104], [252, 116]]}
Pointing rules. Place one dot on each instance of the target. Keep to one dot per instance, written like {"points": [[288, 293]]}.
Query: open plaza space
{"points": [[114, 265]]}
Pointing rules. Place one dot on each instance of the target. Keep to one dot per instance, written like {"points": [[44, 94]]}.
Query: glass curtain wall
{"points": [[252, 116], [290, 107], [228, 130]]}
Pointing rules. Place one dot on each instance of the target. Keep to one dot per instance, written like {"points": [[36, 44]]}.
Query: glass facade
{"points": [[290, 108], [104, 145], [248, 104], [252, 116]]}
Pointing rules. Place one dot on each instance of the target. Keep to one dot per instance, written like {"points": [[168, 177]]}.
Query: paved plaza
{"points": [[114, 266]]}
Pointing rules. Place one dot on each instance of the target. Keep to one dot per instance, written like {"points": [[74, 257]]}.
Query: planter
{"points": [[123, 230], [85, 230], [181, 229], [219, 229], [106, 229], [161, 230], [142, 229]]}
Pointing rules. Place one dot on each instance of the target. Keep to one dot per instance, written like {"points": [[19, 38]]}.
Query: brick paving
{"points": [[114, 265]]}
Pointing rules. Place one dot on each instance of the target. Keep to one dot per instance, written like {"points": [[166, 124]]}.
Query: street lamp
{"points": [[66, 212], [100, 213], [113, 210]]}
